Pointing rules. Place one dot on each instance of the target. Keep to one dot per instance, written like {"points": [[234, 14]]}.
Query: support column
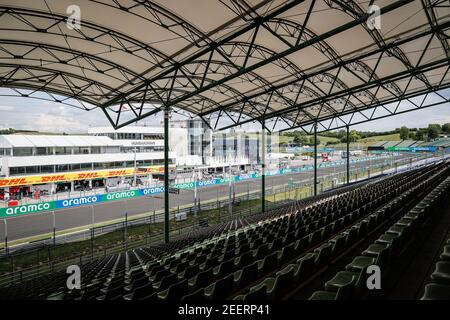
{"points": [[348, 154], [54, 229], [263, 167], [230, 202], [6, 237], [315, 159], [166, 175], [195, 193]]}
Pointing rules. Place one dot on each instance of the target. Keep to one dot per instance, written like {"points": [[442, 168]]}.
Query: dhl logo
{"points": [[31, 180], [53, 178], [12, 182], [117, 173], [89, 175]]}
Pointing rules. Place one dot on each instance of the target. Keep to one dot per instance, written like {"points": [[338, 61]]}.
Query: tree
{"points": [[311, 140], [419, 135], [433, 131], [353, 137], [341, 134], [301, 139], [446, 128], [404, 133]]}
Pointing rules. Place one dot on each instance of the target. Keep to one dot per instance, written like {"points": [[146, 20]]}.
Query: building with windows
{"points": [[191, 139], [69, 162], [107, 157], [217, 149]]}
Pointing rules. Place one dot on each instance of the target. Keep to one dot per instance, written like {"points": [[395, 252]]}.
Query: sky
{"points": [[45, 116]]}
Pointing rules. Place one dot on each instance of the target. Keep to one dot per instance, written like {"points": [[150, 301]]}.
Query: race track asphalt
{"points": [[41, 223]]}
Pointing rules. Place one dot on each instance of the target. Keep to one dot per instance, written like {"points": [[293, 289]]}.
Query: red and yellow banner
{"points": [[73, 176]]}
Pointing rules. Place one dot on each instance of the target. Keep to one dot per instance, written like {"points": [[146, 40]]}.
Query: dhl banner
{"points": [[63, 177], [90, 200]]}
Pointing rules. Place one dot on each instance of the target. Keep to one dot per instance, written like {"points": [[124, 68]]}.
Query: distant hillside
{"points": [[387, 137], [34, 132], [14, 131], [322, 139]]}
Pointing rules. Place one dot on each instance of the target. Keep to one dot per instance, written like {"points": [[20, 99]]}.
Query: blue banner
{"points": [[150, 191], [74, 202]]}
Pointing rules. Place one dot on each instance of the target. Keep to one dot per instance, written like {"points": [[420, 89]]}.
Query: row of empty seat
{"points": [[439, 287], [242, 259], [314, 262], [384, 252]]}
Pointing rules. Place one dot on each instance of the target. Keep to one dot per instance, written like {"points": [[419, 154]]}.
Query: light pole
{"points": [[134, 177], [6, 237], [92, 232], [230, 205], [248, 195], [126, 225], [54, 229], [195, 193], [217, 194]]}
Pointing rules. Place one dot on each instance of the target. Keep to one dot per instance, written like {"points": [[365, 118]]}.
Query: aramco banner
{"points": [[121, 195], [65, 177], [75, 202], [412, 149]]}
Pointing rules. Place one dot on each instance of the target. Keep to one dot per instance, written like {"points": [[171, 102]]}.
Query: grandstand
{"points": [[417, 143], [391, 144], [397, 144], [277, 254], [406, 143], [378, 144], [441, 143], [271, 66]]}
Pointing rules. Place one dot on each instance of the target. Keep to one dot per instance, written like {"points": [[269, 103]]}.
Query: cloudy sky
{"points": [[32, 114]]}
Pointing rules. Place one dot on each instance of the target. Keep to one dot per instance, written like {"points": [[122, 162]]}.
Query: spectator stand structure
{"points": [[316, 65]]}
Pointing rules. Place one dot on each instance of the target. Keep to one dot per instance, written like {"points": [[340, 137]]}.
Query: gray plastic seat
{"points": [[441, 273], [435, 291]]}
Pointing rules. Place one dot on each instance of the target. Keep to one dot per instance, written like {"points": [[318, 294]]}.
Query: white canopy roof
{"points": [[23, 141], [226, 60]]}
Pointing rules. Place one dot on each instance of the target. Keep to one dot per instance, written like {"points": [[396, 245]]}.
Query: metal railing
{"points": [[53, 264]]}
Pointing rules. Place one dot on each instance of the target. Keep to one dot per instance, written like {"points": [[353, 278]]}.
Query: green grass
{"points": [[323, 140], [388, 137], [364, 143]]}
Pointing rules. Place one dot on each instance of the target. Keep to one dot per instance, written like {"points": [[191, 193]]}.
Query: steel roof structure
{"points": [[286, 63]]}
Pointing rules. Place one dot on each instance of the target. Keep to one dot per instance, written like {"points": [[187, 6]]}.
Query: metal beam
{"points": [[247, 69], [372, 82], [166, 175], [315, 159], [263, 166], [212, 47], [373, 117], [348, 154]]}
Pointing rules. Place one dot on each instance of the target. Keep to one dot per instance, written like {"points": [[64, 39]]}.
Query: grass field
{"points": [[364, 143], [388, 137], [323, 140]]}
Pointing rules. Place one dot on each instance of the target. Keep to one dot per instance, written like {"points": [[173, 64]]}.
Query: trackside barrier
{"points": [[54, 265], [128, 194]]}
